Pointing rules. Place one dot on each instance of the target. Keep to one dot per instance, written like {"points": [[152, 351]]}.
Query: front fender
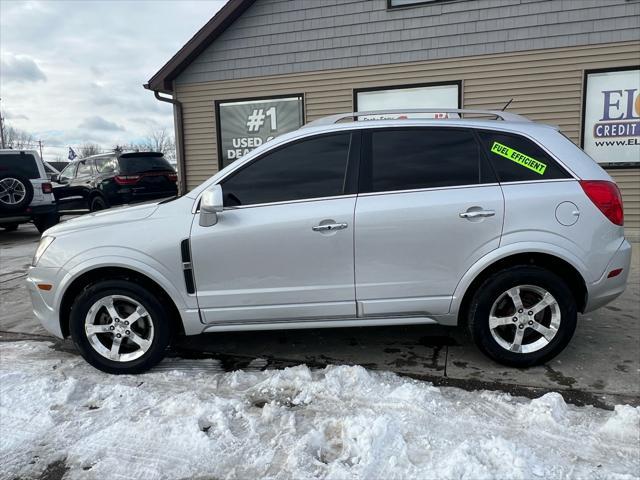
{"points": [[506, 251], [186, 304]]}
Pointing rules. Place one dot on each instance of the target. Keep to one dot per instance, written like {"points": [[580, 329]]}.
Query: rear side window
{"points": [[84, 168], [129, 165], [106, 165], [414, 158], [518, 159], [306, 169], [19, 164]]}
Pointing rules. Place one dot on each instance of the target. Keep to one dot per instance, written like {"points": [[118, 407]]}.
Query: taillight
{"points": [[126, 179], [173, 177], [47, 188], [606, 196]]}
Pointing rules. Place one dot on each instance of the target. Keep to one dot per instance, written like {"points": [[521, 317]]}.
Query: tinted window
{"points": [[306, 169], [410, 158], [143, 164], [19, 164], [106, 165], [516, 158], [84, 168]]}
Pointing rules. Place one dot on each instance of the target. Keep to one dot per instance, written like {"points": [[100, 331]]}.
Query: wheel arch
{"points": [[90, 277], [562, 267]]}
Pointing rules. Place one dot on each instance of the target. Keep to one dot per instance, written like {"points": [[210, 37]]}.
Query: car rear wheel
{"points": [[522, 316], [16, 192], [97, 203], [120, 327]]}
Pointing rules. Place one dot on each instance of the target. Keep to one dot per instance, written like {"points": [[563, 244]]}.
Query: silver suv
{"points": [[501, 225], [26, 194]]}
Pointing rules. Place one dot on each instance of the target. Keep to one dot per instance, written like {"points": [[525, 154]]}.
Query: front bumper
{"points": [[606, 289], [45, 303]]}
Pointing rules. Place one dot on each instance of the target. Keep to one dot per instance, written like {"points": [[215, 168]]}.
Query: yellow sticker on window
{"points": [[519, 158]]}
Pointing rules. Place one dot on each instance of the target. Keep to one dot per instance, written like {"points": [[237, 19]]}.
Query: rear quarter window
{"points": [[517, 159], [19, 164]]}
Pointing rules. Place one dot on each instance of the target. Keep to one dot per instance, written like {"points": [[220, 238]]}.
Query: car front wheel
{"points": [[522, 316], [120, 327]]}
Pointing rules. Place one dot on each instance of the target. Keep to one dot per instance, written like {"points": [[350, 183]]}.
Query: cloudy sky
{"points": [[71, 72]]}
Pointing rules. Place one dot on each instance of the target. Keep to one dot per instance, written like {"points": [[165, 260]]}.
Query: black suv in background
{"points": [[101, 181]]}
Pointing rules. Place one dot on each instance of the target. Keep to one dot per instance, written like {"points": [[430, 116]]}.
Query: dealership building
{"points": [[260, 68]]}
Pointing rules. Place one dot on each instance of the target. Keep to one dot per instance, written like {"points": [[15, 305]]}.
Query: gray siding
{"points": [[275, 37]]}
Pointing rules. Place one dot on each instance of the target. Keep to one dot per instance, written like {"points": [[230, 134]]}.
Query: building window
{"points": [[611, 116], [434, 95], [243, 125], [408, 3]]}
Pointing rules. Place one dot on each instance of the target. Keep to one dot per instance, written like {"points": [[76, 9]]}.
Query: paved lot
{"points": [[601, 366]]}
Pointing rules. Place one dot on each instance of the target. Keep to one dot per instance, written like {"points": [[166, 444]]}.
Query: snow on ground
{"points": [[340, 422]]}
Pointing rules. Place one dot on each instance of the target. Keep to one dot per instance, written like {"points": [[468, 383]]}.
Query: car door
{"points": [[429, 207], [63, 190], [282, 249]]}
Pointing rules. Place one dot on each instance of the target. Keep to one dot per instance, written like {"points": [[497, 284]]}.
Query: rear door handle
{"points": [[478, 213], [329, 227]]}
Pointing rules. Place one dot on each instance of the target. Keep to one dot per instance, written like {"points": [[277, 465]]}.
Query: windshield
{"points": [[130, 165], [19, 164]]}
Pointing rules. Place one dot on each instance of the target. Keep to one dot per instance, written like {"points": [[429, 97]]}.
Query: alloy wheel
{"points": [[12, 191], [524, 319], [119, 328]]}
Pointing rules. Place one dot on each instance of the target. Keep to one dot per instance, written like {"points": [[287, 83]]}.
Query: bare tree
{"points": [[17, 139], [89, 149], [158, 140]]}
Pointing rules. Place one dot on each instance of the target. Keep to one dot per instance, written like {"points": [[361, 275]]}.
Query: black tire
{"points": [[97, 203], [156, 309], [10, 227], [46, 221], [9, 182], [494, 287]]}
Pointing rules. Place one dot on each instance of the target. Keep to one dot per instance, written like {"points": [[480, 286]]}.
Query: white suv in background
{"points": [[26, 194], [503, 227]]}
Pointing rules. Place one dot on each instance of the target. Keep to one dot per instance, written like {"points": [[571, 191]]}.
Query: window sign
{"points": [[611, 120], [397, 98], [246, 125]]}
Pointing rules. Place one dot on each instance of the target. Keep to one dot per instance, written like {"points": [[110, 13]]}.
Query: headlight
{"points": [[42, 247]]}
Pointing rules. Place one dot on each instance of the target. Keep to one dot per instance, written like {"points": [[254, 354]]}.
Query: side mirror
{"points": [[211, 204], [55, 178]]}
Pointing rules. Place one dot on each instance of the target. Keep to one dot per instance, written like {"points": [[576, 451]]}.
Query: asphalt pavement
{"points": [[601, 365]]}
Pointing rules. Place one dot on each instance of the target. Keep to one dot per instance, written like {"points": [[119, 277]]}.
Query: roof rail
{"points": [[331, 119]]}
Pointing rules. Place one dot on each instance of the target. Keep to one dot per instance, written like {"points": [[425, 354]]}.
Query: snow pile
{"points": [[340, 422]]}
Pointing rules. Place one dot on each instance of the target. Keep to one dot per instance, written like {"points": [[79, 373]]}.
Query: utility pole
{"points": [[40, 145], [1, 129]]}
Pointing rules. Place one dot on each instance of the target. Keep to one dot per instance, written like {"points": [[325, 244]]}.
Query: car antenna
{"points": [[508, 103]]}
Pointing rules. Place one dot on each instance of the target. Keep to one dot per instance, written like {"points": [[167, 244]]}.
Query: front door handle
{"points": [[329, 227], [477, 213]]}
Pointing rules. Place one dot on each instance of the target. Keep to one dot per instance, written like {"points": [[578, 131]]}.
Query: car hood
{"points": [[104, 218]]}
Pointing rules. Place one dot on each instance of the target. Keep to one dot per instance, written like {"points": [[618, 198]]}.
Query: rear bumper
{"points": [[28, 214], [606, 289]]}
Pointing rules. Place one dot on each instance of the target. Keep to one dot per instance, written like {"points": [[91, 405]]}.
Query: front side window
{"points": [[517, 159], [415, 158], [310, 168]]}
